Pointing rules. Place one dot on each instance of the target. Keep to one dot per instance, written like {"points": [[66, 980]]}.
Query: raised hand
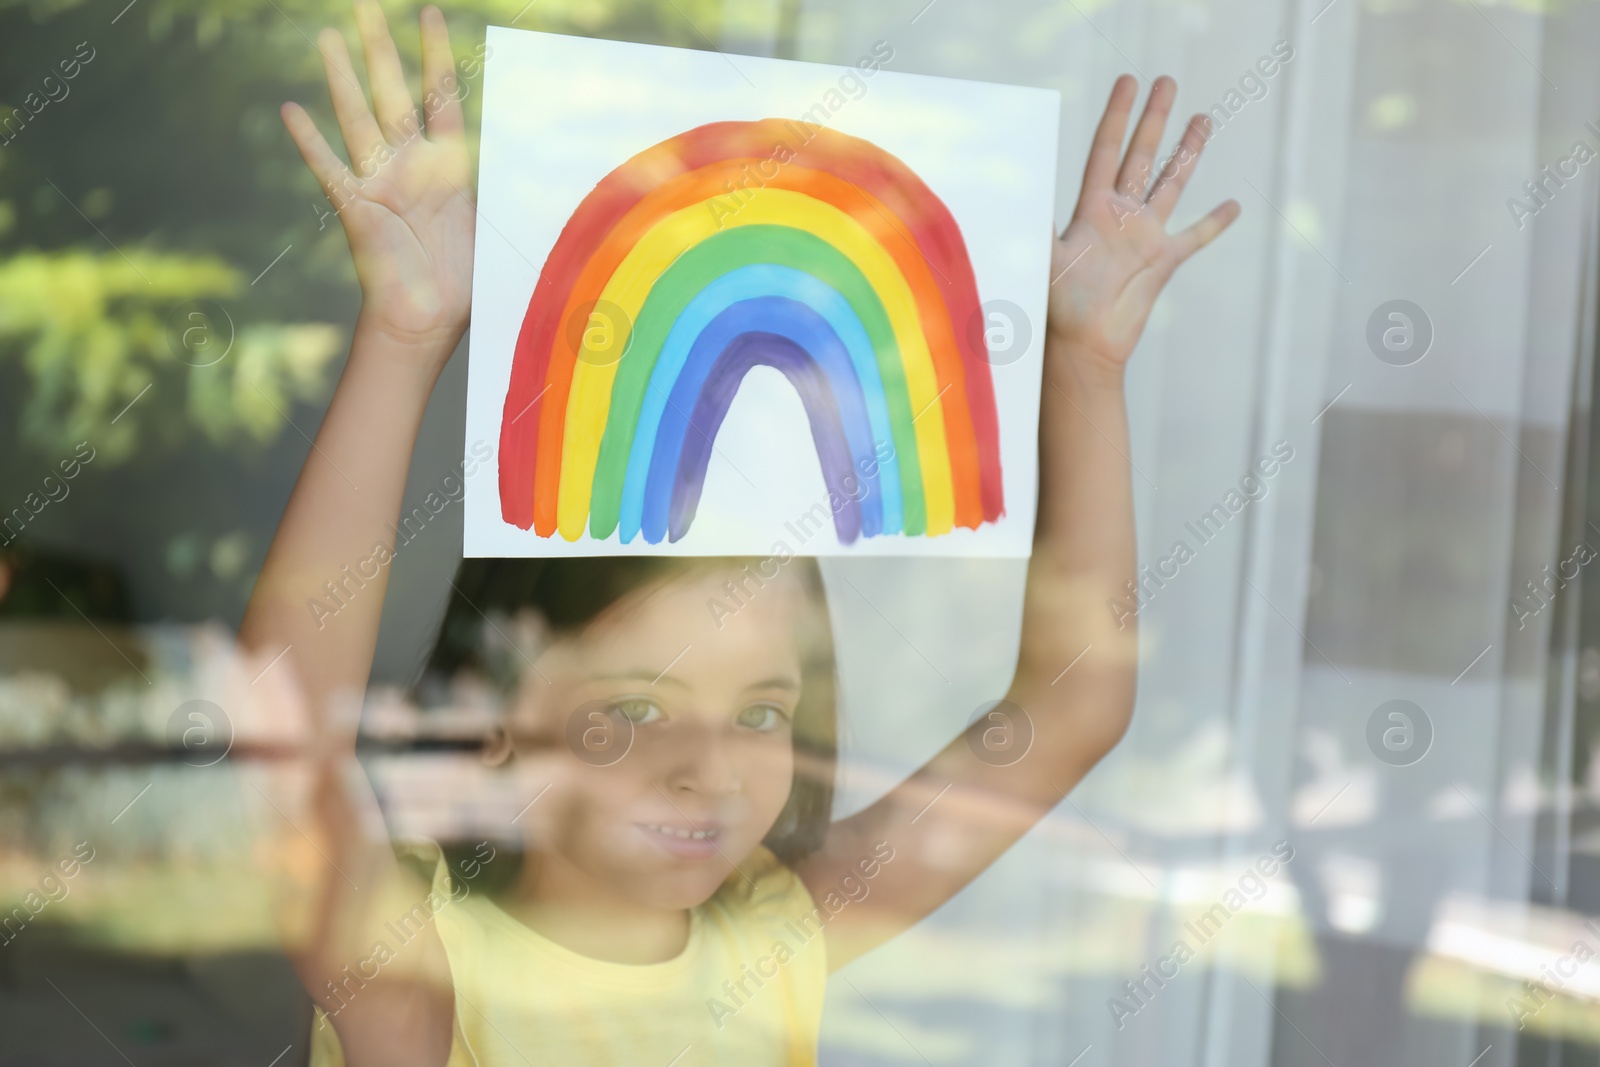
{"points": [[406, 200], [1114, 257]]}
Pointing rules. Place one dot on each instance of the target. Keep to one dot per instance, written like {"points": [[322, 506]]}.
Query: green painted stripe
{"points": [[680, 283]]}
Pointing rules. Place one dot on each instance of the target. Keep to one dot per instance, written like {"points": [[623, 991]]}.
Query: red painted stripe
{"points": [[530, 459]]}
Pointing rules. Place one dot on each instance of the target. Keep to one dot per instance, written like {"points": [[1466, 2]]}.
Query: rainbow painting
{"points": [[704, 304], [735, 245]]}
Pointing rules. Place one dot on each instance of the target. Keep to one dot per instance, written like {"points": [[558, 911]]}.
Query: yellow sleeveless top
{"points": [[746, 991]]}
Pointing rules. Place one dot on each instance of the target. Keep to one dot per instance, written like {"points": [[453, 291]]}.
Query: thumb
{"points": [[1147, 285], [1191, 240]]}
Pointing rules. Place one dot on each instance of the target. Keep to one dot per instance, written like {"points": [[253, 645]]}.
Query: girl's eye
{"points": [[637, 709], [763, 717]]}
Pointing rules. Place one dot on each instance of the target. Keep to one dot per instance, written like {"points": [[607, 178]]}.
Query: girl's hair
{"points": [[568, 595]]}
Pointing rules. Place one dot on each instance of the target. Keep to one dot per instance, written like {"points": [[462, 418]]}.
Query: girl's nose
{"points": [[704, 761]]}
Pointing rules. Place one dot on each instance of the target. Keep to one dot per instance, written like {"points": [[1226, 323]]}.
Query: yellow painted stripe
{"points": [[590, 398]]}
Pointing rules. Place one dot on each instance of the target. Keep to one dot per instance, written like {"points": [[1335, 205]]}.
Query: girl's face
{"points": [[671, 718]]}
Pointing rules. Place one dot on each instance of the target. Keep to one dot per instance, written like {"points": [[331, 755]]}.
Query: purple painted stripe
{"points": [[759, 348]]}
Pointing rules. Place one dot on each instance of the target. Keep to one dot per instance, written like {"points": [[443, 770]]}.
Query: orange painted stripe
{"points": [[705, 185]]}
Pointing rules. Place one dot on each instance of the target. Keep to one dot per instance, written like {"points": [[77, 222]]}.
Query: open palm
{"points": [[1114, 257], [406, 200]]}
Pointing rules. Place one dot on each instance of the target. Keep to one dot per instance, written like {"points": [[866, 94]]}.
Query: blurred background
{"points": [[1387, 665]]}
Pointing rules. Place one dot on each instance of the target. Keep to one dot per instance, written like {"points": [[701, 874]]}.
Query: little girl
{"points": [[681, 893]]}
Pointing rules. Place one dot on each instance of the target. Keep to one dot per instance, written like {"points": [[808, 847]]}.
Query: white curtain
{"points": [[1375, 165]]}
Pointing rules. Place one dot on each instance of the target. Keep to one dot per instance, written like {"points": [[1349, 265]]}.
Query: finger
{"points": [[361, 134], [1134, 177], [438, 64], [322, 160], [1146, 285], [1178, 169], [391, 98], [1187, 242], [1101, 169]]}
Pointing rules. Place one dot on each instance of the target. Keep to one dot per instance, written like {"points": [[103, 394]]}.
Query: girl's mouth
{"points": [[680, 841]]}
